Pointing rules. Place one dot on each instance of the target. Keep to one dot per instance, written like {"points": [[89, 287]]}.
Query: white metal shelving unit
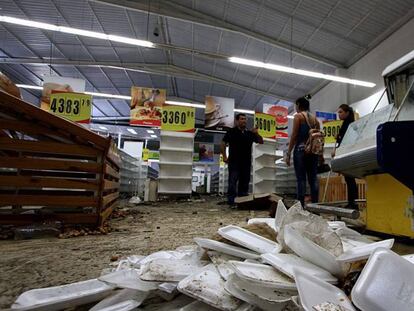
{"points": [[223, 179], [264, 167], [176, 162]]}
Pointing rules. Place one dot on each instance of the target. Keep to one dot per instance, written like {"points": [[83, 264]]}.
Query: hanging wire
{"points": [[291, 41], [148, 17]]}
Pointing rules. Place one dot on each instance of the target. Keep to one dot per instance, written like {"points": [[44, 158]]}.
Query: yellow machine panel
{"points": [[387, 206]]}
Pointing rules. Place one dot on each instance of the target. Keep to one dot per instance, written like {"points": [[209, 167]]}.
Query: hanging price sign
{"points": [[178, 119], [266, 124], [331, 131], [76, 107]]}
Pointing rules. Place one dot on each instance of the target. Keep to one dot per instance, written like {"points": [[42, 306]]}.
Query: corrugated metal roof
{"points": [[337, 30]]}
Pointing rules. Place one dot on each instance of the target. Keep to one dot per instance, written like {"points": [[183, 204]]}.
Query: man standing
{"points": [[240, 141]]}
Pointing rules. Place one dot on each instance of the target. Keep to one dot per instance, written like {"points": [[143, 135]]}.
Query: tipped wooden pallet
{"points": [[337, 189], [52, 168]]}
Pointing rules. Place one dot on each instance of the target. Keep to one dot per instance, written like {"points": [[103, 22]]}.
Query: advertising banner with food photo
{"points": [[281, 114], [53, 84], [146, 106], [219, 113], [178, 118]]}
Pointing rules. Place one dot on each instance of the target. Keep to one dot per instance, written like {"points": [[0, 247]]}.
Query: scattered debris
{"points": [[242, 269]]}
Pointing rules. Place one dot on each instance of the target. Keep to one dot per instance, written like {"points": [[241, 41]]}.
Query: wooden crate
{"points": [[53, 169], [337, 189]]}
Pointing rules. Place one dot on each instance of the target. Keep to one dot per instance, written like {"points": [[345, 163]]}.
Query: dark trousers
{"points": [[239, 178], [306, 165], [352, 189]]}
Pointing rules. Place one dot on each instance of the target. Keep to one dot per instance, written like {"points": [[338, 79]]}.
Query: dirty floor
{"points": [[29, 264]]}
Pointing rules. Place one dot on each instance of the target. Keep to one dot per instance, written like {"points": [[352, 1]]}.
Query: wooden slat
{"points": [[19, 106], [25, 127], [111, 171], [109, 198], [47, 147], [114, 158], [39, 182], [47, 200], [108, 184], [49, 164], [107, 212]]}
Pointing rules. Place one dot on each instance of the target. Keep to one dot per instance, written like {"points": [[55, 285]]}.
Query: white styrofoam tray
{"points": [[268, 221], [267, 294], [198, 306], [208, 287], [263, 275], [364, 251], [281, 212], [221, 262], [226, 248], [314, 291], [128, 279], [64, 296], [168, 270], [249, 239], [122, 300], [409, 257], [287, 263], [386, 283], [312, 252], [232, 286]]}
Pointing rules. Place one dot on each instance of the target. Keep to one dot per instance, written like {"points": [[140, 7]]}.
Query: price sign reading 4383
{"points": [[72, 106], [266, 124], [178, 118]]}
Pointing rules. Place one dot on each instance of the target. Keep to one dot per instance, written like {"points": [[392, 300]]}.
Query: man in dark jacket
{"points": [[240, 141]]}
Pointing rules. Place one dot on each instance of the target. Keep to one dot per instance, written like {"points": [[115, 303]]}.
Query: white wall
{"points": [[369, 68]]}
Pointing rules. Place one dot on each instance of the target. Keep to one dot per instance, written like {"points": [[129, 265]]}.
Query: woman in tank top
{"points": [[306, 165]]}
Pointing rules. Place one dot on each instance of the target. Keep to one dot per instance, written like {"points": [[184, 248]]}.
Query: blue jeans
{"points": [[239, 178], [306, 165]]}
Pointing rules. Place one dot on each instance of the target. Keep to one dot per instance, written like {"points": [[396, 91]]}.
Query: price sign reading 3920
{"points": [[266, 124], [73, 106], [178, 118]]}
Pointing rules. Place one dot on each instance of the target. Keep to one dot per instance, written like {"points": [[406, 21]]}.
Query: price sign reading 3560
{"points": [[266, 124]]}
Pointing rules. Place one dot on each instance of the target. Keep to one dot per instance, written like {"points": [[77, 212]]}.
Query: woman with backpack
{"points": [[346, 113], [304, 147]]}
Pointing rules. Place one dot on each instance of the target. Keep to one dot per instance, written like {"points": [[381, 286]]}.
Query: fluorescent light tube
{"points": [[132, 131], [109, 95], [171, 102], [150, 132], [75, 31], [154, 136], [244, 111], [103, 128], [32, 87], [301, 72]]}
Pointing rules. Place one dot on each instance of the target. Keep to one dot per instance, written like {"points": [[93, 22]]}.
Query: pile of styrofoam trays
{"points": [[299, 272]]}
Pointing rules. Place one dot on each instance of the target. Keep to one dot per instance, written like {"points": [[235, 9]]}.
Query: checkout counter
{"points": [[380, 148]]}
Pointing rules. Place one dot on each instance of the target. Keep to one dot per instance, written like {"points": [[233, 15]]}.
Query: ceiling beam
{"points": [[157, 69], [174, 10]]}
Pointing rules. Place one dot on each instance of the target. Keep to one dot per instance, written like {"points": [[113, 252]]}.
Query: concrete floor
{"points": [[36, 263], [29, 264]]}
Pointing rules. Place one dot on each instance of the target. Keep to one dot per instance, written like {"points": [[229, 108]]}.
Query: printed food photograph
{"points": [[146, 105], [219, 112]]}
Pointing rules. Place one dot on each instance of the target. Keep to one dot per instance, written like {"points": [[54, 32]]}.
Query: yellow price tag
{"points": [[266, 124], [178, 118], [331, 131], [76, 107], [145, 154]]}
